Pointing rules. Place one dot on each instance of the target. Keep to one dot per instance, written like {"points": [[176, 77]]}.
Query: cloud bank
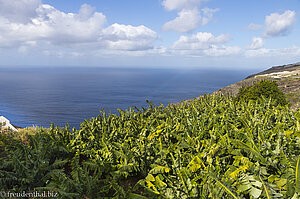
{"points": [[204, 44], [32, 22]]}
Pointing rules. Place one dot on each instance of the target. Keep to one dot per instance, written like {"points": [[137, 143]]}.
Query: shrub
{"points": [[264, 88]]}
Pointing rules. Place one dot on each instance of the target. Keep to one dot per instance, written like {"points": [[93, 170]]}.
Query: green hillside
{"points": [[287, 78], [211, 147]]}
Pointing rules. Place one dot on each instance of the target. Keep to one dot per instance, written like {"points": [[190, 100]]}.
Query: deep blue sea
{"points": [[39, 96]]}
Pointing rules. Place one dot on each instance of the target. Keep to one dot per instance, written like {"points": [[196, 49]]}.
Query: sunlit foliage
{"points": [[213, 147]]}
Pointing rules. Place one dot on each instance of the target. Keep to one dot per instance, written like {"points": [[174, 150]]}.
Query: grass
{"points": [[293, 97]]}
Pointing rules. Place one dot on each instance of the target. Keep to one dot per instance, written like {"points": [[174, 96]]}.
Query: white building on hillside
{"points": [[6, 123]]}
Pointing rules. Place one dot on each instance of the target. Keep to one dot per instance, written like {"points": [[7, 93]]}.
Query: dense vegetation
{"points": [[265, 88], [213, 147]]}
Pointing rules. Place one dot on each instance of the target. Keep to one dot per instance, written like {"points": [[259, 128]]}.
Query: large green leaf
{"points": [[159, 169], [224, 186], [297, 176]]}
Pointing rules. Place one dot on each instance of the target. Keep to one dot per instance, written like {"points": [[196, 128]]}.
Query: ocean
{"points": [[41, 95]]}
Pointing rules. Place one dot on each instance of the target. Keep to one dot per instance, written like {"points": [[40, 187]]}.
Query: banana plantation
{"points": [[213, 147]]}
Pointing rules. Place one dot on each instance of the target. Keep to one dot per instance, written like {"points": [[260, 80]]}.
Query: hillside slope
{"points": [[286, 76]]}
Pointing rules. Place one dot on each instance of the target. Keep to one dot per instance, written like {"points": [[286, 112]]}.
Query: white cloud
{"points": [[86, 11], [68, 28], [189, 19], [181, 4], [203, 44], [20, 11], [257, 42], [186, 21], [208, 15], [217, 51], [122, 37], [15, 34], [189, 15], [253, 26], [201, 40], [46, 26], [289, 52], [53, 26], [279, 24], [125, 52]]}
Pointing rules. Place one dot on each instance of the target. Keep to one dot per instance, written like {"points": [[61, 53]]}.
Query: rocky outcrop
{"points": [[5, 123]]}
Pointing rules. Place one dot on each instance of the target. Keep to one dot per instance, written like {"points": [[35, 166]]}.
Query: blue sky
{"points": [[150, 33]]}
